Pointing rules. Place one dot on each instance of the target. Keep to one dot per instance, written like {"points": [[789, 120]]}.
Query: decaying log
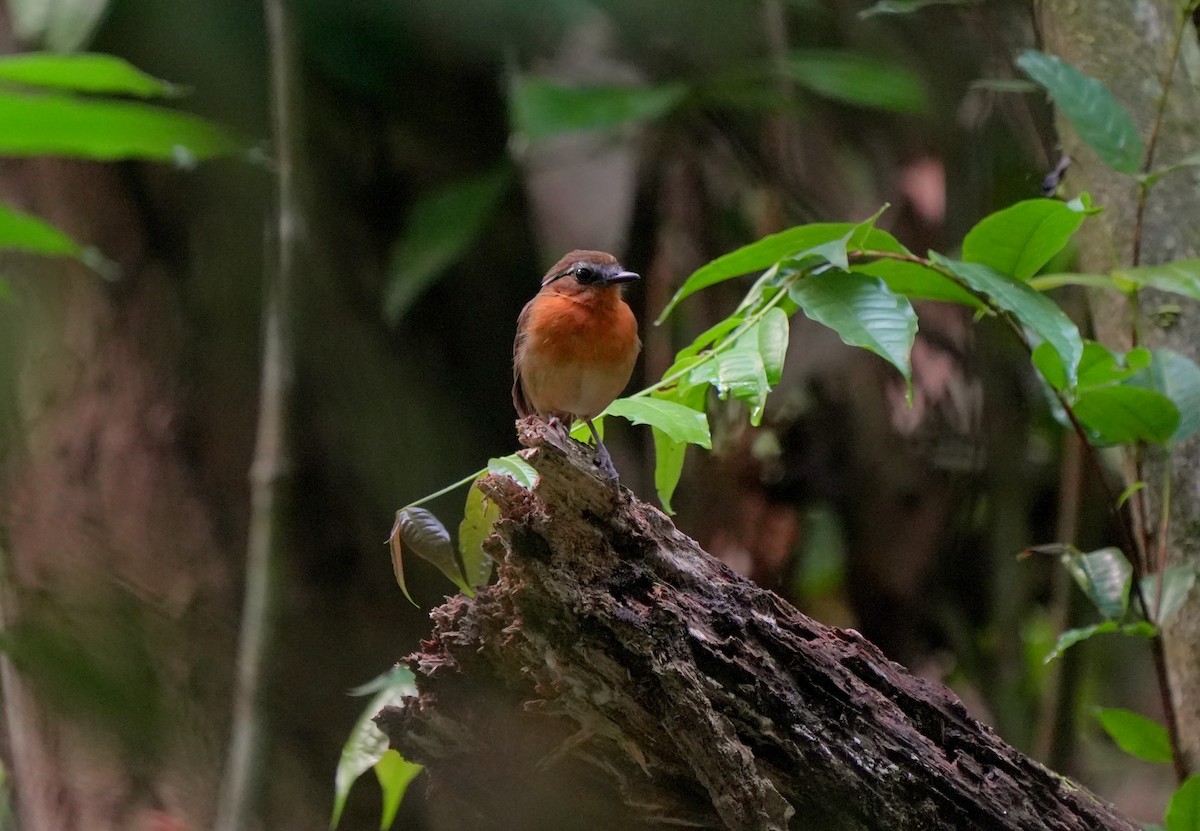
{"points": [[618, 676]]}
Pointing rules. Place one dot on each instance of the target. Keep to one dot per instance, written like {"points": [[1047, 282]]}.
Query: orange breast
{"points": [[578, 353]]}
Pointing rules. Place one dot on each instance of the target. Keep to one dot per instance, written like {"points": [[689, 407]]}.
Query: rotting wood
{"points": [[616, 675]]}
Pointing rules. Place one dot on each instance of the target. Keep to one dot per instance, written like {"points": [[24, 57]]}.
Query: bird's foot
{"points": [[604, 462]]}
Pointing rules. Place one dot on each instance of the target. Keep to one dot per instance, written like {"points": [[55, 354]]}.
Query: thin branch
{"points": [[1152, 142], [241, 786]]}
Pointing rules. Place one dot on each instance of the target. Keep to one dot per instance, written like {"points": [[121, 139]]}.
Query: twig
{"points": [[241, 785], [1152, 142]]}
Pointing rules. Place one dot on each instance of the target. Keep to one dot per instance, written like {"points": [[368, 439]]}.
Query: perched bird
{"points": [[576, 344]]}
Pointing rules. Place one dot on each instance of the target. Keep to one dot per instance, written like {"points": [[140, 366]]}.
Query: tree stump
{"points": [[616, 675]]}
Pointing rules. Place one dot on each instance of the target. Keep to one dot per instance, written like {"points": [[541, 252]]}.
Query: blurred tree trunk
{"points": [[1129, 45], [114, 571]]}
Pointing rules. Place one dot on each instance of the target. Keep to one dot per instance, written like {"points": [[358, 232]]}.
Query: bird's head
{"points": [[587, 270]]}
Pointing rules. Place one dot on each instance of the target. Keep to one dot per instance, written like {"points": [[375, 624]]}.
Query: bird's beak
{"points": [[623, 277]]}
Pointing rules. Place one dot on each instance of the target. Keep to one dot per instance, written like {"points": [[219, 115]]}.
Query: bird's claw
{"points": [[604, 462]]}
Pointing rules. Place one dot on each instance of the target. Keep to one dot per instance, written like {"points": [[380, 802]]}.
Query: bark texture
{"points": [[1128, 45], [616, 675]]}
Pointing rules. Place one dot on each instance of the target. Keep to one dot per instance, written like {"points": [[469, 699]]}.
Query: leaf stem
{"points": [[466, 480]]}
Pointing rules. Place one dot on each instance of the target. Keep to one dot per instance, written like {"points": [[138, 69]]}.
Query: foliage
{"points": [[860, 281], [366, 748], [37, 120]]}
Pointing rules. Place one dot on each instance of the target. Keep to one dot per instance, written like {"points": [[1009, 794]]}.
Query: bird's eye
{"points": [[585, 275]]}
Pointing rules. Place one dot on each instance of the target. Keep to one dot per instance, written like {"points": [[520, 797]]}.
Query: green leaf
{"points": [[479, 517], [1177, 582], [541, 108], [770, 337], [54, 125], [1101, 122], [709, 338], [366, 744], [1141, 629], [1046, 282], [857, 79], [1178, 378], [394, 773], [909, 6], [1127, 414], [1183, 811], [423, 534], [1179, 277], [863, 311], [680, 422], [1098, 367], [918, 282], [1034, 311], [669, 455], [440, 229], [1190, 160], [736, 372], [772, 249], [83, 72], [1104, 575], [1022, 238], [1135, 734], [514, 467], [23, 232]]}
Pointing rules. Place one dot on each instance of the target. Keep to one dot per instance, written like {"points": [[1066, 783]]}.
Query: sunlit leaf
{"points": [[1022, 238], [1135, 734], [395, 774], [680, 422], [776, 247], [440, 230], [55, 125], [367, 744], [1034, 311], [82, 72], [669, 455], [1177, 582], [1099, 119], [1180, 277], [1183, 811], [857, 79], [540, 107], [739, 373], [918, 282], [479, 517], [514, 467], [1046, 282], [863, 311], [422, 533], [1140, 629], [1104, 575], [770, 337], [1126, 414], [23, 232]]}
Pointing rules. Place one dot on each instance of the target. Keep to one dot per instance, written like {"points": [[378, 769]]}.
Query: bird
{"points": [[576, 344]]}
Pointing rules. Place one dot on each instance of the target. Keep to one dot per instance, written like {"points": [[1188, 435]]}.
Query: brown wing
{"points": [[518, 393]]}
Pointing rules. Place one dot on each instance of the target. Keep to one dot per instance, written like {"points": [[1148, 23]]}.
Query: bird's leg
{"points": [[603, 460]]}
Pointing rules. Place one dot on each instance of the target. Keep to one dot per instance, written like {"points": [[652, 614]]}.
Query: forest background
{"points": [[442, 156]]}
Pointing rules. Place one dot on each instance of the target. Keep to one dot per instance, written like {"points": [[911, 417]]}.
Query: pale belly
{"points": [[572, 389]]}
